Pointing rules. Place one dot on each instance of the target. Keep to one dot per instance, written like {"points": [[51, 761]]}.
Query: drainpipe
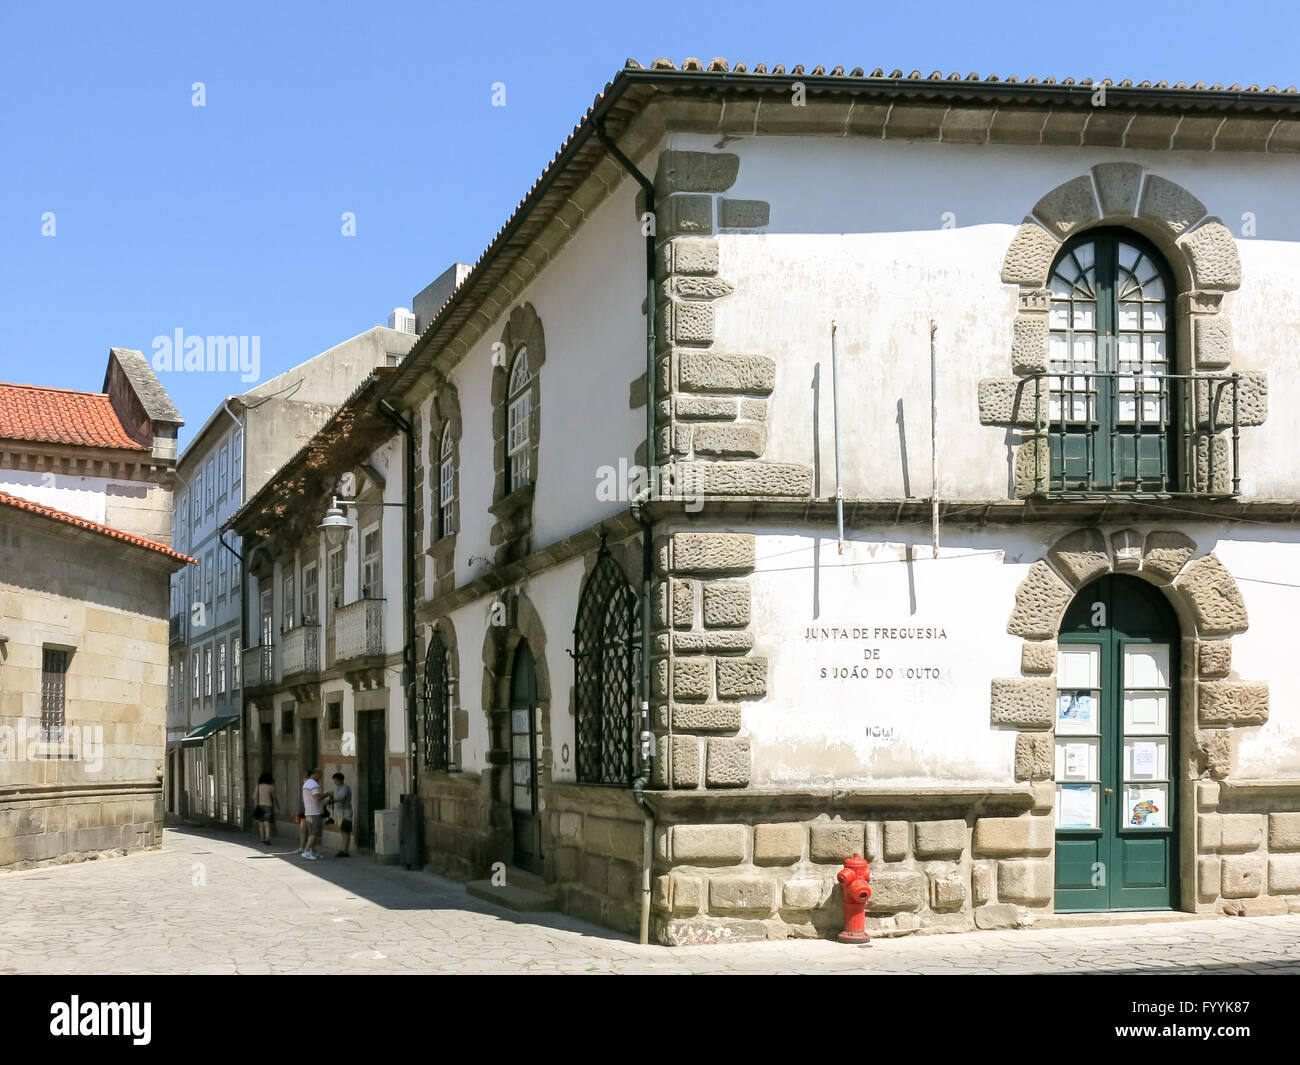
{"points": [[408, 596], [647, 528]]}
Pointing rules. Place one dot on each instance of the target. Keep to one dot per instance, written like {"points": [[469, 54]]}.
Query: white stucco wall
{"points": [[857, 235], [822, 724]]}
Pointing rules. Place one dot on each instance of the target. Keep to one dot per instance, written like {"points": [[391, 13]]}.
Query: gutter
{"points": [[647, 530]]}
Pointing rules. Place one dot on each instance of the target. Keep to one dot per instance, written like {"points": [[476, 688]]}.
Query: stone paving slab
{"points": [[220, 903]]}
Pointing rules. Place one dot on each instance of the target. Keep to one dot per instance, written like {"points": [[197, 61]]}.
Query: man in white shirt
{"points": [[311, 805]]}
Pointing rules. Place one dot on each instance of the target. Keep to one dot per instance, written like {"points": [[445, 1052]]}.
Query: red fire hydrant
{"points": [[853, 881]]}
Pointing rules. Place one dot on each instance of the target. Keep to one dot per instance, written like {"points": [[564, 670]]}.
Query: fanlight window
{"points": [[606, 660], [519, 405], [437, 705], [446, 484]]}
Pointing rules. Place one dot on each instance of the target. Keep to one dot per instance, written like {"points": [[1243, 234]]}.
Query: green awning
{"points": [[196, 738]]}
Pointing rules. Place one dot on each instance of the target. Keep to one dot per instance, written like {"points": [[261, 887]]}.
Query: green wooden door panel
{"points": [[1128, 859]]}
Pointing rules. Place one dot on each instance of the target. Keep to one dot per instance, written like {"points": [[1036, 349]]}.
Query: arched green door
{"points": [[1117, 749], [524, 745]]}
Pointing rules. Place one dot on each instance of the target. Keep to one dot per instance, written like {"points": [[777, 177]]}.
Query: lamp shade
{"points": [[334, 526]]}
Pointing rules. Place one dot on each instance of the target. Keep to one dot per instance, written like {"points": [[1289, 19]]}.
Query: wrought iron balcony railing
{"points": [[176, 630], [359, 629], [1135, 433], [300, 651], [259, 666]]}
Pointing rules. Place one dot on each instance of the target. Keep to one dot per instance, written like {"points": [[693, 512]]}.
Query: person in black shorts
{"points": [[340, 803]]}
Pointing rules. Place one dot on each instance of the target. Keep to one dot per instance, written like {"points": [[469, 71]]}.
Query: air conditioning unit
{"points": [[402, 320]]}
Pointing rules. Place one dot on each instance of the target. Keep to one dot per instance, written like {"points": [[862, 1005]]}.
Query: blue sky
{"points": [[225, 219]]}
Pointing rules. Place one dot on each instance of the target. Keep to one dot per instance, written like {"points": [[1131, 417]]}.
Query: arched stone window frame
{"points": [[512, 505], [1202, 254], [444, 422], [606, 684], [441, 753]]}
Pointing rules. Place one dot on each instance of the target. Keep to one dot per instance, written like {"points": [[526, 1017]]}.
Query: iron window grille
{"points": [[437, 705], [607, 654], [54, 686]]}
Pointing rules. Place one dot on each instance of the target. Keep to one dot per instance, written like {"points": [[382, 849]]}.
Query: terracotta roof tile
{"points": [[91, 526], [61, 416]]}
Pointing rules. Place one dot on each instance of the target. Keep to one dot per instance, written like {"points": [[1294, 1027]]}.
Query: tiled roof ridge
{"points": [[719, 65], [92, 526]]}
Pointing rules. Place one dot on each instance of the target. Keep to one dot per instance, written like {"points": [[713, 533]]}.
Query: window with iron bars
{"points": [[607, 655], [437, 705], [54, 686]]}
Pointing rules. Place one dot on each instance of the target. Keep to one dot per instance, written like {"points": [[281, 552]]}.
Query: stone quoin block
{"points": [[742, 894], [704, 408], [706, 371], [1216, 753], [686, 322], [833, 841], [1117, 188], [726, 604], [685, 171], [684, 753], [1080, 557], [683, 213], [896, 840], [1041, 599], [780, 844], [997, 915], [706, 717], [1212, 253], [1214, 598], [697, 288], [903, 891], [1209, 831], [689, 255], [717, 642], [754, 409], [743, 214], [692, 678], [1068, 207], [726, 762], [1013, 836], [1284, 874], [1011, 401], [1243, 876], [1284, 832], [947, 892], [1212, 473], [1029, 344], [712, 552], [687, 893], [1169, 206], [1232, 702], [1038, 657], [940, 839], [709, 844], [683, 593], [1029, 258], [742, 678], [742, 439], [1026, 881], [742, 478], [981, 879], [1022, 702], [1165, 554], [1214, 401], [1035, 756]]}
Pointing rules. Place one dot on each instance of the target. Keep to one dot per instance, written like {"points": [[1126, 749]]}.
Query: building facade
{"points": [[323, 679], [85, 507], [242, 444]]}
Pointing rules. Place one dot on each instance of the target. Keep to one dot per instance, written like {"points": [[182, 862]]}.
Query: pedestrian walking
{"points": [[312, 814], [264, 808], [340, 800]]}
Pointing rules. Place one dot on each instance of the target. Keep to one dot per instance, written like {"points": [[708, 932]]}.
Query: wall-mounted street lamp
{"points": [[335, 523]]}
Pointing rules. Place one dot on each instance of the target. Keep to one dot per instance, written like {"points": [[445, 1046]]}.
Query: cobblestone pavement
{"points": [[217, 903]]}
